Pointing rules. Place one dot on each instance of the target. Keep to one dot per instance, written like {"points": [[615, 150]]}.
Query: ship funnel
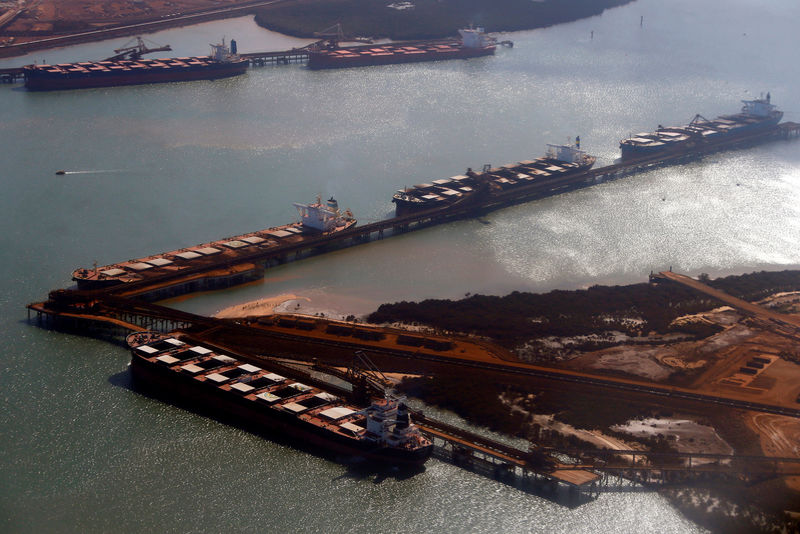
{"points": [[233, 46], [402, 417], [332, 204]]}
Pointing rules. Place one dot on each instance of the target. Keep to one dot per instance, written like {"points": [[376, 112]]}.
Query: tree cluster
{"points": [[513, 319]]}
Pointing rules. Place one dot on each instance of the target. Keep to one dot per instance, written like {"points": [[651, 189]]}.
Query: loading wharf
{"points": [[111, 309], [249, 262], [297, 338], [11, 75]]}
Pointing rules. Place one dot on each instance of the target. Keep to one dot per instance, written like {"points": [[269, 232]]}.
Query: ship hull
{"points": [[249, 252], [362, 57], [520, 191], [230, 407], [41, 80], [717, 140]]}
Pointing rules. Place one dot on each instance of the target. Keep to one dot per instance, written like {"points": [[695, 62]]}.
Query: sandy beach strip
{"points": [[264, 306]]}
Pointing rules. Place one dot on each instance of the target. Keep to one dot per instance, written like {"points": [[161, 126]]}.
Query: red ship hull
{"points": [[363, 56]]}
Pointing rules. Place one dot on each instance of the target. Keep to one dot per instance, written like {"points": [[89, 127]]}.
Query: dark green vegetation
{"points": [[427, 19], [513, 319], [516, 318], [478, 399]]}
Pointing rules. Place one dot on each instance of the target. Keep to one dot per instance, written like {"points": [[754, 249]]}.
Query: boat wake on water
{"points": [[100, 171]]}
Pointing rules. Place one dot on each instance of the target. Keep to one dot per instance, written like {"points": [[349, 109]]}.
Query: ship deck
{"points": [[227, 254], [251, 383]]}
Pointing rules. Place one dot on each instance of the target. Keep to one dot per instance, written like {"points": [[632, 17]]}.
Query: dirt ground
{"points": [[780, 436], [35, 19]]}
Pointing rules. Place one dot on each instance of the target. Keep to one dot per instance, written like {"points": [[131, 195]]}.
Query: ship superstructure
{"points": [[319, 216], [275, 405], [133, 70], [701, 132], [501, 182]]}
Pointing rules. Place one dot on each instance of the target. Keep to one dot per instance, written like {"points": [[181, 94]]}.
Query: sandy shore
{"points": [[267, 306]]}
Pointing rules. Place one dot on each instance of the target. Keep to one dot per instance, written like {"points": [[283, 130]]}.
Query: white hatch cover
{"points": [[253, 240], [173, 341], [242, 387], [112, 272], [224, 359], [159, 262], [326, 396], [249, 368], [300, 387], [139, 266], [216, 377], [280, 233], [192, 368], [274, 377], [147, 349], [236, 244], [208, 251], [188, 255], [269, 397], [166, 358], [337, 412], [294, 407], [200, 350], [355, 429]]}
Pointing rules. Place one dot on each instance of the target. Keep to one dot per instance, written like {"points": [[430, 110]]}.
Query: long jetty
{"points": [[97, 311], [249, 264]]}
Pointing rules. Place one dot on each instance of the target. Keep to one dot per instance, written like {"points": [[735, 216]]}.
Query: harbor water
{"points": [[155, 168]]}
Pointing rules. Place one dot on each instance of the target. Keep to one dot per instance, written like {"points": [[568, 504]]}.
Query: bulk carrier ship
{"points": [[703, 134], [316, 219], [473, 43], [224, 62], [272, 404], [516, 179]]}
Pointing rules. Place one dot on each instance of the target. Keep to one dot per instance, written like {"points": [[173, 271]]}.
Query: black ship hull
{"points": [[486, 191], [42, 79], [695, 138], [231, 407]]}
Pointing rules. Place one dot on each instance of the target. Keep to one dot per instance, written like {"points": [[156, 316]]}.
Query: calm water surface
{"points": [[178, 164]]}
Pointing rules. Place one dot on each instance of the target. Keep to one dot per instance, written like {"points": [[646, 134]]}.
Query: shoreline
{"points": [[258, 9], [260, 307], [144, 27]]}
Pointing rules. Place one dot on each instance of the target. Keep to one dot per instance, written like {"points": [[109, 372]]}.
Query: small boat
{"points": [[61, 173]]}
